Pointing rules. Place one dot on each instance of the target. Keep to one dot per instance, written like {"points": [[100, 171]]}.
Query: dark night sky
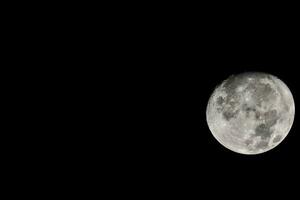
{"points": [[154, 66]]}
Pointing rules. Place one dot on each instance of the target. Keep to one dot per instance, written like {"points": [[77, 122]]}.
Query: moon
{"points": [[250, 113]]}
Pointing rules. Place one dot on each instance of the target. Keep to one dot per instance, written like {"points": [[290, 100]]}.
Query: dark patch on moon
{"points": [[257, 115], [263, 131], [220, 100], [277, 138], [229, 114], [233, 82], [248, 142], [227, 105], [271, 117], [232, 100], [261, 92], [262, 145], [248, 109]]}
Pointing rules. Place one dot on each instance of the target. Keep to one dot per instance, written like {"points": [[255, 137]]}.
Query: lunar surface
{"points": [[251, 113]]}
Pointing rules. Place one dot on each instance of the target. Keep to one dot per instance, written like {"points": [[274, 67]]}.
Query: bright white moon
{"points": [[251, 113]]}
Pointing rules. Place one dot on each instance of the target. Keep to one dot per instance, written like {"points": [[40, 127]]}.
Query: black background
{"points": [[158, 69]]}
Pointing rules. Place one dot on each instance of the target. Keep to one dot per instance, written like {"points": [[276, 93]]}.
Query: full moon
{"points": [[250, 113]]}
